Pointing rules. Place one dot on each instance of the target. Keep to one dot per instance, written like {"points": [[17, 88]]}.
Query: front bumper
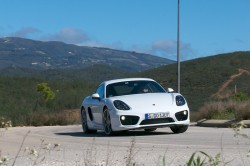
{"points": [[126, 120]]}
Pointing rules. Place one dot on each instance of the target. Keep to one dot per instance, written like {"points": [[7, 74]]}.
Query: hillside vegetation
{"points": [[19, 97], [202, 78], [201, 81]]}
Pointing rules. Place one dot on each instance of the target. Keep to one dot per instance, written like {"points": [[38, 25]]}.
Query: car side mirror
{"points": [[170, 90], [96, 96]]}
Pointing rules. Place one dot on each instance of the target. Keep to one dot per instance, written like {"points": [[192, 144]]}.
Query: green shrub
{"points": [[240, 96], [201, 158], [48, 94]]}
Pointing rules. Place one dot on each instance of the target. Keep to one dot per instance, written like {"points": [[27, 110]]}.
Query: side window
{"points": [[100, 91]]}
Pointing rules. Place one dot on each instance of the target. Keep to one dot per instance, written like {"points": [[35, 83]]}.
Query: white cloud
{"points": [[68, 35], [165, 46], [24, 32], [166, 49], [93, 43]]}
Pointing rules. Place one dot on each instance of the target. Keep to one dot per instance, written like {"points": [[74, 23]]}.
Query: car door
{"points": [[97, 106]]}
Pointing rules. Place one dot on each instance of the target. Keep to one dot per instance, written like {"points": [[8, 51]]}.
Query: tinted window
{"points": [[133, 87]]}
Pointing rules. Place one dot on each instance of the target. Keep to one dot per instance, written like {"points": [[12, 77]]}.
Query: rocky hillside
{"points": [[30, 54]]}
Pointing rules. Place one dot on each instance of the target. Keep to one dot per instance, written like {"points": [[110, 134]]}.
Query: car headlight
{"points": [[180, 100], [120, 105]]}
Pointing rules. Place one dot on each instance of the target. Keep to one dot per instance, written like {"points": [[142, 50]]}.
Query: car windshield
{"points": [[133, 87]]}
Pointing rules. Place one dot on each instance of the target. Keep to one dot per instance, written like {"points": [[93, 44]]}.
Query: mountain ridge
{"points": [[42, 55]]}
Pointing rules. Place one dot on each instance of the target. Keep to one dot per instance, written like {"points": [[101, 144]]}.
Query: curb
{"points": [[220, 123]]}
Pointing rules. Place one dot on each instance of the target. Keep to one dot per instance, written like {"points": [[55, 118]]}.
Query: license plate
{"points": [[157, 115]]}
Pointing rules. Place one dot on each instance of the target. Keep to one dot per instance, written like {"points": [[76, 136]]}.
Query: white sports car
{"points": [[134, 103]]}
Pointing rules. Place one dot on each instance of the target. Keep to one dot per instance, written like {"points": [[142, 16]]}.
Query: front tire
{"points": [[107, 122], [179, 129], [85, 127]]}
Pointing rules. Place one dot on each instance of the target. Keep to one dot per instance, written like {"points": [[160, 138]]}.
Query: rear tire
{"points": [[85, 127], [150, 129], [179, 129]]}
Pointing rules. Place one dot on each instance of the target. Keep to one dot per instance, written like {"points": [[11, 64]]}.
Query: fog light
{"points": [[185, 112], [123, 118]]}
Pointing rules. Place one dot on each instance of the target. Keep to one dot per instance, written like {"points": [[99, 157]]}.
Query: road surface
{"points": [[67, 145]]}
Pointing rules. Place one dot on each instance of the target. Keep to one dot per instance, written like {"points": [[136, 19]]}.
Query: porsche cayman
{"points": [[134, 103]]}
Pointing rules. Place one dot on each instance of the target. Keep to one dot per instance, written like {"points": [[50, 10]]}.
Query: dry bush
{"points": [[195, 116], [210, 109], [243, 111], [4, 123], [65, 117], [229, 109], [36, 119]]}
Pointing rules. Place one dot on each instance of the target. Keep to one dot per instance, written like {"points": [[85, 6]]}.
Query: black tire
{"points": [[179, 129], [107, 122], [151, 129], [85, 127]]}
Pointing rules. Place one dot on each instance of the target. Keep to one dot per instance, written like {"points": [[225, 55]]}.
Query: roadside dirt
{"points": [[226, 83]]}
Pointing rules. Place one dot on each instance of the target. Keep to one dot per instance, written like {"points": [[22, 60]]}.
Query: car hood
{"points": [[147, 100]]}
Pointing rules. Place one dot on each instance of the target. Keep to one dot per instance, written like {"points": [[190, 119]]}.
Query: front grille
{"points": [[156, 121], [129, 120]]}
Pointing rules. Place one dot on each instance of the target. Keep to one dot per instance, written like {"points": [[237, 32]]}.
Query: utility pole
{"points": [[178, 49]]}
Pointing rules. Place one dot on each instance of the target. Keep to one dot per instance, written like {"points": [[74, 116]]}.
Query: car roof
{"points": [[127, 79]]}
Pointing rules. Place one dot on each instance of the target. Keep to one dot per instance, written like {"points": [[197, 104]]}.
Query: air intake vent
{"points": [[129, 120], [156, 121]]}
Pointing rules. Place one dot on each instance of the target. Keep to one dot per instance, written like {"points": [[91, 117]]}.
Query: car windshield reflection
{"points": [[133, 87]]}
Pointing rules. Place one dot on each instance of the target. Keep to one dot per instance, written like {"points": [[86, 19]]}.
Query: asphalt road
{"points": [[143, 148]]}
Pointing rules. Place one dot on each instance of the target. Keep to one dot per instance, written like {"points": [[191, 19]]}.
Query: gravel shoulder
{"points": [[144, 148]]}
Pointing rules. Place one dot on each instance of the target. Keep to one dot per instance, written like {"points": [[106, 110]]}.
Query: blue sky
{"points": [[207, 27]]}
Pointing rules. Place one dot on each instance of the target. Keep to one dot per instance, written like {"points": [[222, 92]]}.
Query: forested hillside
{"points": [[201, 80], [19, 97]]}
